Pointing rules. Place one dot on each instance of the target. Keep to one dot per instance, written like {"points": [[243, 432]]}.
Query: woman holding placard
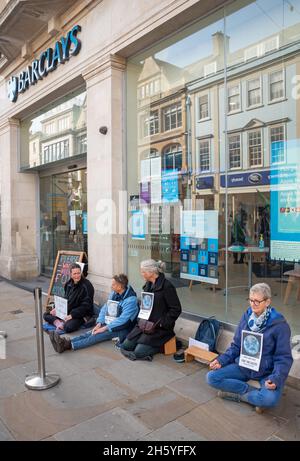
{"points": [[260, 351], [160, 307]]}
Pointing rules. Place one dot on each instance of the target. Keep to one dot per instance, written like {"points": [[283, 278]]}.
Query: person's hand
{"points": [[53, 312], [69, 317], [98, 329], [270, 385], [214, 365]]}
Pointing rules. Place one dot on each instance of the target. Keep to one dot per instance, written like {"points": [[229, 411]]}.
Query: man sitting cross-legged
{"points": [[116, 318]]}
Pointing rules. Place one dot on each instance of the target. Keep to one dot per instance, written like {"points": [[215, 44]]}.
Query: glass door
{"points": [[63, 205]]}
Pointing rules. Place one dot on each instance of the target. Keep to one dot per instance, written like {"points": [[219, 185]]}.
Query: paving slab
{"points": [[34, 415], [194, 387], [159, 407], [138, 375], [116, 424], [221, 420], [5, 435], [171, 432], [20, 328], [9, 385]]}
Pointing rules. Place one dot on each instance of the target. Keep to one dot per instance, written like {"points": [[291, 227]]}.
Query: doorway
{"points": [[63, 215]]}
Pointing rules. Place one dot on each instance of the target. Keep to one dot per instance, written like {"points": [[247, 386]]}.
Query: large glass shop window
{"points": [[213, 148]]}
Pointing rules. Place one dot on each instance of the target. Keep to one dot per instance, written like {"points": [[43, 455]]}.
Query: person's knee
{"points": [[127, 345], [69, 328], [211, 378]]}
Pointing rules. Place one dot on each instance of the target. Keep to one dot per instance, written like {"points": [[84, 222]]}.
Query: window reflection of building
{"points": [[59, 133]]}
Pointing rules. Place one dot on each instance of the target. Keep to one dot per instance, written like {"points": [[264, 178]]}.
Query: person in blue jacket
{"points": [[109, 324], [230, 372]]}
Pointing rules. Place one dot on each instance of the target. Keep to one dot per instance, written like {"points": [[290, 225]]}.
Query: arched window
{"points": [[172, 155]]}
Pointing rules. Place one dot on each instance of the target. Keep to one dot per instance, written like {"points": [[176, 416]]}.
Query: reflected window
{"points": [[55, 133], [203, 107], [254, 92], [204, 155], [150, 124], [276, 85], [172, 117], [255, 148], [234, 149], [234, 98], [173, 157], [277, 140]]}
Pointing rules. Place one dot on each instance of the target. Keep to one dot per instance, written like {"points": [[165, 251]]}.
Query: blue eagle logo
{"points": [[13, 89]]}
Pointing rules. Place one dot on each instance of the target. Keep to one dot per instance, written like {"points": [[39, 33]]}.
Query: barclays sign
{"points": [[47, 62]]}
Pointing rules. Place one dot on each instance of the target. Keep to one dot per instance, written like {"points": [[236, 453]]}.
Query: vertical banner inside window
{"points": [[285, 206], [199, 246], [138, 225]]}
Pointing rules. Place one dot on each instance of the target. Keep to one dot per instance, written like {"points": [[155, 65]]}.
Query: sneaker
{"points": [[117, 345], [179, 357], [129, 354], [229, 396]]}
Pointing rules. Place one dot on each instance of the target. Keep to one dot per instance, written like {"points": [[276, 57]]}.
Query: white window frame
{"points": [[261, 149], [250, 106], [208, 107], [178, 107], [241, 153], [281, 98], [234, 111], [278, 125], [208, 140]]}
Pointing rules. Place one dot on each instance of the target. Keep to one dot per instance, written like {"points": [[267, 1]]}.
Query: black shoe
{"points": [[129, 354], [148, 358]]}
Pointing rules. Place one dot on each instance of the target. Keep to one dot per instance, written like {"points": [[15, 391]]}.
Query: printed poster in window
{"points": [[251, 350], [199, 246], [138, 225], [147, 300], [169, 186]]}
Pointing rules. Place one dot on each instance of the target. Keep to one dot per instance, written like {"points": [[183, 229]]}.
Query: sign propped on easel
{"points": [[61, 272]]}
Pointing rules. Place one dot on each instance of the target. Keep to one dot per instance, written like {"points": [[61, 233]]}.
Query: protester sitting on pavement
{"points": [[166, 309], [116, 318], [80, 295], [232, 370]]}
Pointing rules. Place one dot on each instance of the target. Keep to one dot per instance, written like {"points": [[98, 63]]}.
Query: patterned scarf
{"points": [[258, 323]]}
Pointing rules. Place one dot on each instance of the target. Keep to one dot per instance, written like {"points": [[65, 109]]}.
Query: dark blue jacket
{"points": [[276, 359]]}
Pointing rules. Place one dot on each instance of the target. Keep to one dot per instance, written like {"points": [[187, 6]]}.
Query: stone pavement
{"points": [[102, 396]]}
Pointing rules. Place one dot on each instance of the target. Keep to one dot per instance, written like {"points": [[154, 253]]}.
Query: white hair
{"points": [[262, 288], [150, 265]]}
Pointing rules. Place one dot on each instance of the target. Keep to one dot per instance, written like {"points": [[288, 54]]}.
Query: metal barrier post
{"points": [[40, 380]]}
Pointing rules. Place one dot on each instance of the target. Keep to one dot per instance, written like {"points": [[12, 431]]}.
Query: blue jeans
{"points": [[140, 350], [232, 379], [87, 339]]}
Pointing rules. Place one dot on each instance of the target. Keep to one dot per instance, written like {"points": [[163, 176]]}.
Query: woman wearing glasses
{"points": [[260, 351]]}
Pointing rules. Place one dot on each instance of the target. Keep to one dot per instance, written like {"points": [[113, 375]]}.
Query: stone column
{"points": [[106, 171], [18, 193]]}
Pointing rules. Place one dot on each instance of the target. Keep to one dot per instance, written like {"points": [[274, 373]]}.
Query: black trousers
{"points": [[70, 325]]}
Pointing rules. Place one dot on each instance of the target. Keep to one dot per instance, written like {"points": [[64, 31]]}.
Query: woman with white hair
{"points": [[143, 344], [260, 351]]}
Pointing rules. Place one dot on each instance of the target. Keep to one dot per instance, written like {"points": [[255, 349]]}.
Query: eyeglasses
{"points": [[256, 302]]}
